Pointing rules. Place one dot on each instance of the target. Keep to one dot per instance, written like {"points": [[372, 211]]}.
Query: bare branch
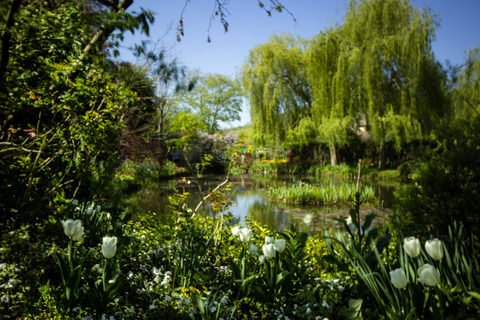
{"points": [[208, 196]]}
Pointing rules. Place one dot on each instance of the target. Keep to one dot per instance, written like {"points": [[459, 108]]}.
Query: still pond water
{"points": [[248, 196]]}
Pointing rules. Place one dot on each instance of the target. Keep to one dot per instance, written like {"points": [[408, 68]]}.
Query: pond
{"points": [[248, 196]]}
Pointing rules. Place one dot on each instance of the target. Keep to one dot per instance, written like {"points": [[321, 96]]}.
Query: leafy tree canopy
{"points": [[215, 98]]}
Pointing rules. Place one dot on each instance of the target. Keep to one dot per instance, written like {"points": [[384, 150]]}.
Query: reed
{"points": [[327, 194]]}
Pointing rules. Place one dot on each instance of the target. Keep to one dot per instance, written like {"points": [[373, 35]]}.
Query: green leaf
{"points": [[368, 221], [63, 268], [474, 294]]}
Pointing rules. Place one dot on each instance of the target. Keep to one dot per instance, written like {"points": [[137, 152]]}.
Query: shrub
{"points": [[446, 187]]}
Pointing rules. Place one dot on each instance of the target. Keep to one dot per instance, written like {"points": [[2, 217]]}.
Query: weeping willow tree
{"points": [[333, 81], [377, 67], [467, 87], [274, 79], [398, 84]]}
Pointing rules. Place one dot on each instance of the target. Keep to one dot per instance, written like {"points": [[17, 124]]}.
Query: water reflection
{"points": [[249, 200]]}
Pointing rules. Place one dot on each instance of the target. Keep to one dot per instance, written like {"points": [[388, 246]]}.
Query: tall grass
{"points": [[327, 194]]}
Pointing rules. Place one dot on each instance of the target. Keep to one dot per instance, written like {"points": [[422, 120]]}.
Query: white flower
{"points": [[269, 240], [73, 229], [253, 249], [308, 219], [269, 250], [224, 300], [11, 283], [109, 247], [308, 311], [398, 278], [434, 248], [428, 275], [74, 202], [166, 279], [5, 299], [246, 235], [236, 231], [261, 258], [3, 266], [279, 245], [152, 306], [325, 304], [412, 246]]}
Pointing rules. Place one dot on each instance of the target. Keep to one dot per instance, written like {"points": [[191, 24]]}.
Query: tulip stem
{"points": [[71, 254]]}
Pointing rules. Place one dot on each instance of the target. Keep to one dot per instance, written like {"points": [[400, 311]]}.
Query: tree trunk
{"points": [[333, 155], [5, 53], [381, 162]]}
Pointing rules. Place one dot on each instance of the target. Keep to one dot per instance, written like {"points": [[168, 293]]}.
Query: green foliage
{"points": [[467, 86], [274, 79], [445, 187], [326, 194], [60, 109], [145, 174], [214, 98]]}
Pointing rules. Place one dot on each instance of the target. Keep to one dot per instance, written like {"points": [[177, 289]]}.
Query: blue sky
{"points": [[249, 26]]}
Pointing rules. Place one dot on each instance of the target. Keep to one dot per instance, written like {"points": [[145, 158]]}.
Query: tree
{"points": [[60, 110], [276, 83], [466, 92], [215, 98], [333, 86], [397, 83]]}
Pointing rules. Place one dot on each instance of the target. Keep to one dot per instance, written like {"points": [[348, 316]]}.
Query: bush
{"points": [[446, 187]]}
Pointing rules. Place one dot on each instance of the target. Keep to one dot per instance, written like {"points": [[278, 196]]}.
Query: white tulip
{"points": [[428, 275], [280, 245], [246, 235], [73, 229], [398, 278], [236, 231], [269, 240], [412, 246], [253, 249], [269, 251], [109, 247], [434, 248]]}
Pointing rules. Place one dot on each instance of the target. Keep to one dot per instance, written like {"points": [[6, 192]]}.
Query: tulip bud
{"points": [[269, 251], [246, 235], [398, 278], [109, 247], [269, 240], [412, 246], [253, 249], [434, 248], [428, 275], [73, 229], [280, 245], [261, 258], [236, 231]]}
